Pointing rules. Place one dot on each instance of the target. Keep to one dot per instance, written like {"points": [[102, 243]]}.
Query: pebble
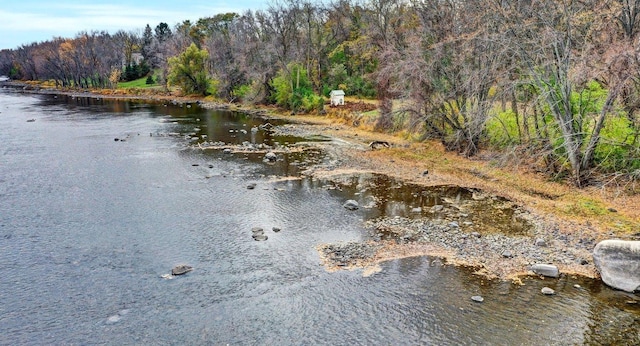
{"points": [[478, 299], [276, 229], [251, 186], [541, 242], [507, 254], [547, 291]]}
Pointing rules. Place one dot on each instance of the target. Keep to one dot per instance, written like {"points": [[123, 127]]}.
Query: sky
{"points": [[27, 21]]}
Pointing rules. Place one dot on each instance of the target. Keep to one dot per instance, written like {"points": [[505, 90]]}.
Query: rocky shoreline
{"points": [[493, 254]]}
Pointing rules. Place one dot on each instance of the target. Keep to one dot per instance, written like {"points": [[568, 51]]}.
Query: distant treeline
{"points": [[556, 78]]}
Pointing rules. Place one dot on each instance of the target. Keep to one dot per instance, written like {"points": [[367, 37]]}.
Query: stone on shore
{"points": [[351, 205], [547, 270], [618, 262], [181, 269]]}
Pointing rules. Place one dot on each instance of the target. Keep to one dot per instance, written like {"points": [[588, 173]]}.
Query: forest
{"points": [[555, 81]]}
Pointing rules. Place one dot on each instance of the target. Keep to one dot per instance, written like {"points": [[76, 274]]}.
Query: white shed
{"points": [[337, 97]]}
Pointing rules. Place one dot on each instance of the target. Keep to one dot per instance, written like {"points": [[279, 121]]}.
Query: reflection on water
{"points": [[471, 209], [88, 225]]}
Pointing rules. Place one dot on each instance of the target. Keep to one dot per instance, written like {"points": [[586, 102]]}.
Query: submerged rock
{"points": [[618, 262], [351, 205], [251, 186], [181, 269], [547, 270]]}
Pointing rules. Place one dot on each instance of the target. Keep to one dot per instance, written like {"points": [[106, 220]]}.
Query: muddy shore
{"points": [[555, 238]]}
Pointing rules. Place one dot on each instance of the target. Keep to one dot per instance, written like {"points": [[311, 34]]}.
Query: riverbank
{"points": [[561, 239], [567, 222]]}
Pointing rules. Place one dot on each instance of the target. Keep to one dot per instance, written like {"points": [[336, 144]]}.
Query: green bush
{"points": [[616, 150], [293, 90], [312, 103], [188, 71], [241, 91]]}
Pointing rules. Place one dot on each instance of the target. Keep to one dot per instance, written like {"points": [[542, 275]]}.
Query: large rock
{"points": [[548, 270], [618, 262]]}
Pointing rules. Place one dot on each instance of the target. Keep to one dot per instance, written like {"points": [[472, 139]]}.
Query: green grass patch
{"points": [[137, 83], [587, 208]]}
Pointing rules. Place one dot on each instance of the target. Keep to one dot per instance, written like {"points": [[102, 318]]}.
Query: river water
{"points": [[88, 225]]}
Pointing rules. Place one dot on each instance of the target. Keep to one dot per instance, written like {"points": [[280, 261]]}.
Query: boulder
{"points": [[618, 262], [546, 270], [181, 269], [351, 205]]}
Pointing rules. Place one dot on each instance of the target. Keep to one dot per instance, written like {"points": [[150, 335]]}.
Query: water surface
{"points": [[89, 224]]}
